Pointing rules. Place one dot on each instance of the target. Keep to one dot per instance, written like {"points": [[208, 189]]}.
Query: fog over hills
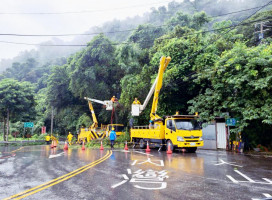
{"points": [[118, 30]]}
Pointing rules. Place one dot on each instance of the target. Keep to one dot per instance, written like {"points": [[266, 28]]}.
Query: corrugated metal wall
{"points": [[209, 137], [221, 135]]}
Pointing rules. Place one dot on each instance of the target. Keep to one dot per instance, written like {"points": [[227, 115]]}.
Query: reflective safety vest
{"points": [[136, 102], [47, 138]]}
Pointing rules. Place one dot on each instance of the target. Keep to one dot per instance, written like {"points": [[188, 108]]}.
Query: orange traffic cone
{"points": [[65, 146], [147, 147], [52, 145], [83, 146], [169, 151], [101, 147], [126, 147]]}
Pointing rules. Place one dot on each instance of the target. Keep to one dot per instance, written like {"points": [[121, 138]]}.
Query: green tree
{"points": [[16, 102], [145, 35], [96, 70], [240, 84]]}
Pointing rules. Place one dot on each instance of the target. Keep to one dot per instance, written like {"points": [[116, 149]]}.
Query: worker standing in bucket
{"points": [[136, 101], [112, 137]]}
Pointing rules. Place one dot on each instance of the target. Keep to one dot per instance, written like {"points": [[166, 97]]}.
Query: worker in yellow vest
{"points": [[70, 137], [136, 101], [47, 139]]}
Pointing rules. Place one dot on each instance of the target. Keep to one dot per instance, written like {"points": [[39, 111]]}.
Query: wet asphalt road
{"points": [[132, 175]]}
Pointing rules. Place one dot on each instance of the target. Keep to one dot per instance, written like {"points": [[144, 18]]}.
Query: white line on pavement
{"points": [[267, 195], [143, 153], [266, 179], [57, 155], [134, 162], [232, 179], [116, 185], [243, 175]]}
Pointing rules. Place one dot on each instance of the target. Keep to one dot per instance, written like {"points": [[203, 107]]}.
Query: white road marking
{"points": [[267, 195], [243, 175], [129, 171], [149, 161], [134, 162], [122, 151], [232, 179], [222, 162], [116, 185], [163, 186], [266, 179], [57, 155], [143, 153], [125, 176]]}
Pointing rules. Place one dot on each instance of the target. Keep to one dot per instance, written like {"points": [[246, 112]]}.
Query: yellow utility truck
{"points": [[95, 132], [174, 131], [118, 128]]}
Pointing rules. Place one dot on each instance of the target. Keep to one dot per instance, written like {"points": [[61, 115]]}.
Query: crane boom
{"points": [[163, 64], [95, 100], [137, 109], [148, 97], [95, 122], [106, 103]]}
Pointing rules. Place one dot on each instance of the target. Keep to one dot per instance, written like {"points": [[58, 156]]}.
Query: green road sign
{"points": [[28, 125], [233, 121]]}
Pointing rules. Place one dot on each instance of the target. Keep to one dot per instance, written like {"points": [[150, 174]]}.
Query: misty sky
{"points": [[104, 10]]}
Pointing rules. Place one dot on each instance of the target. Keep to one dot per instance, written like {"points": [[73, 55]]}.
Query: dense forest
{"points": [[218, 66]]}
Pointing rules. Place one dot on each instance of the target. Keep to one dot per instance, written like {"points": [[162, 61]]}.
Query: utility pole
{"points": [[262, 30], [52, 118]]}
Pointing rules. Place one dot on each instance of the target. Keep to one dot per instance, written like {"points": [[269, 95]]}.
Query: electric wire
{"points": [[107, 32], [231, 27]]}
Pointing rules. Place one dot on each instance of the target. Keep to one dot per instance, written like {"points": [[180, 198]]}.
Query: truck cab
{"points": [[183, 131]]}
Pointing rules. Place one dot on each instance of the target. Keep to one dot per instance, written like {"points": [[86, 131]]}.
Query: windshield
{"points": [[187, 124]]}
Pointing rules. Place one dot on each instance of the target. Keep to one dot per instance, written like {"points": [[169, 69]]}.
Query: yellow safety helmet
{"points": [[112, 129]]}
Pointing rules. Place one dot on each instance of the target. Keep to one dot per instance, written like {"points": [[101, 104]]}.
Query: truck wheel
{"points": [[192, 150], [169, 143], [142, 143]]}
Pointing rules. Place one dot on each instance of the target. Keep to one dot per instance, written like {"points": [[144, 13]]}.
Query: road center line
{"points": [[59, 179]]}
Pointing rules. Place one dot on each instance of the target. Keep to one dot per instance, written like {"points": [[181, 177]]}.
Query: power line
{"points": [[84, 45], [230, 13], [80, 12], [107, 32]]}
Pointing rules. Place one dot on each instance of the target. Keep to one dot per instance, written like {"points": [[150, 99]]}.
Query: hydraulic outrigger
{"points": [[176, 131]]}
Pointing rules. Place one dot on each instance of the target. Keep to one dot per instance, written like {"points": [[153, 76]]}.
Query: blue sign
{"points": [[28, 125]]}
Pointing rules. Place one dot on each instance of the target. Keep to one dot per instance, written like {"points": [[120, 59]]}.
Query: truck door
{"points": [[170, 129]]}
